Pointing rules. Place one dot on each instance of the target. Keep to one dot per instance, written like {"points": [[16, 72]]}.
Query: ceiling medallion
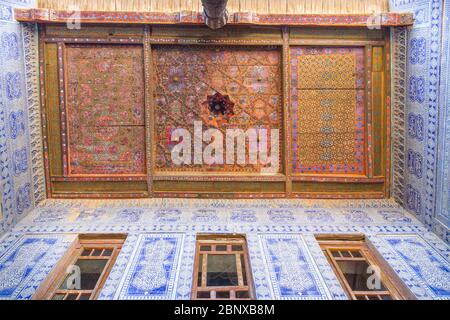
{"points": [[219, 109]]}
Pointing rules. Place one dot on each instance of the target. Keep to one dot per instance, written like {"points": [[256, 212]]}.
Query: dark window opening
{"points": [[81, 273], [222, 268], [363, 274]]}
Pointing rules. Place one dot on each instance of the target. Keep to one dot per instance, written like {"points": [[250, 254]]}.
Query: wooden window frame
{"points": [[214, 240], [51, 284], [395, 288]]}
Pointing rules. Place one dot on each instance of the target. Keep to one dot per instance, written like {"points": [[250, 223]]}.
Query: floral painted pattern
{"points": [[105, 110]]}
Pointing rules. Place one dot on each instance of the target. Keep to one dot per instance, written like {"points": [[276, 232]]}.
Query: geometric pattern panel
{"points": [[187, 75], [105, 107], [152, 271], [293, 271], [327, 108]]}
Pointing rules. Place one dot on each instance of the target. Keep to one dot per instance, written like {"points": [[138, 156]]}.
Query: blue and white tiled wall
{"points": [[21, 186], [426, 154], [442, 217], [425, 188], [157, 259]]}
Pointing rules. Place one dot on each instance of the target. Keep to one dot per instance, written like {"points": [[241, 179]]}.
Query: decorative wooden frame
{"points": [[50, 286], [192, 17], [214, 176], [373, 184], [62, 58], [57, 174], [366, 252], [227, 241]]}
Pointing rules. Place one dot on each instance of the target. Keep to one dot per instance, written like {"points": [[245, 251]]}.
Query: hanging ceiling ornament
{"points": [[215, 13]]}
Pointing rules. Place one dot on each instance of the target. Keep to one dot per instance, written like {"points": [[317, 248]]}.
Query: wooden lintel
{"points": [[195, 18]]}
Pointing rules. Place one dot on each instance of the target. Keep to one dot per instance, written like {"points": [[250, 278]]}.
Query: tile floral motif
{"points": [[24, 265], [10, 46], [51, 215], [205, 215], [16, 124], [13, 85], [281, 215], [8, 210], [394, 216], [432, 269], [293, 272], [186, 267], [29, 33], [325, 270], [258, 265], [357, 216], [88, 215], [152, 272], [123, 260], [20, 161], [168, 215], [243, 215], [415, 163], [418, 50], [20, 263], [23, 198], [129, 215], [6, 12], [319, 215], [415, 126], [417, 89], [402, 270], [413, 200], [218, 215]]}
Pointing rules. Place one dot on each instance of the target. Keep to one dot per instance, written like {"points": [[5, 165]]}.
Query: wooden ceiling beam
{"points": [[196, 18]]}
